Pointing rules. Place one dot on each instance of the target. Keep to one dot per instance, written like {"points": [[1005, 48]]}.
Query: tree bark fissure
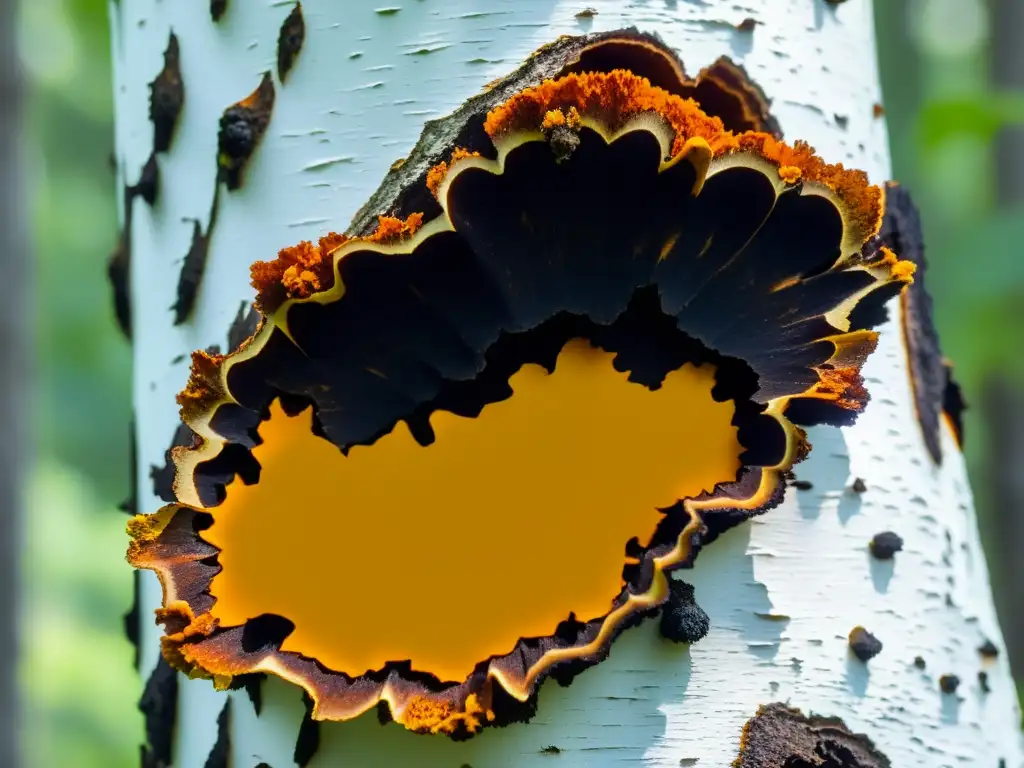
{"points": [[782, 592]]}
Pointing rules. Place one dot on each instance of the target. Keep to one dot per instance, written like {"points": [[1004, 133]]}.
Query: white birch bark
{"points": [[355, 102]]}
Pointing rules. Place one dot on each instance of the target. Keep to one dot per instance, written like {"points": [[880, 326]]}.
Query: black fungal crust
{"points": [[863, 644], [451, 319], [885, 544], [220, 753], [166, 97], [781, 737], [935, 392], [308, 740], [289, 41], [682, 620], [217, 8], [736, 100], [159, 705], [241, 127]]}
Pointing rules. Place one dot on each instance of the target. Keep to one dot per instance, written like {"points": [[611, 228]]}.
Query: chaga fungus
{"points": [[936, 394], [782, 737], [241, 127], [682, 620], [289, 41], [463, 451]]}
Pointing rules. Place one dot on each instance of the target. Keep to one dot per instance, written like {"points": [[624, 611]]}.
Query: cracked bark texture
{"points": [[782, 592]]}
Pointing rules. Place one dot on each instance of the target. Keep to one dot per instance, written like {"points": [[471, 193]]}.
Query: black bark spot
{"points": [[682, 620], [859, 486], [886, 544], [163, 477], [983, 682], [919, 662], [802, 485], [949, 683], [988, 649], [289, 41], [864, 645], [243, 326], [217, 8]]}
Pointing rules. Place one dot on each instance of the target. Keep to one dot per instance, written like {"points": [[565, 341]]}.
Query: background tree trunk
{"points": [[782, 592], [14, 376], [1003, 403]]}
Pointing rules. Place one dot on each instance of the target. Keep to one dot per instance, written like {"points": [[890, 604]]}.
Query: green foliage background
{"points": [[79, 682]]}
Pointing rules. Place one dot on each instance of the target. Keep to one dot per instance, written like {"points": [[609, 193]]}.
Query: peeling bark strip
{"points": [[768, 233], [220, 754], [166, 97], [241, 127], [781, 737], [289, 41], [935, 391], [159, 704]]}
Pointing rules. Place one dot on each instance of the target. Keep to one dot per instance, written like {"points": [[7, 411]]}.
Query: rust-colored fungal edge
{"points": [[613, 105]]}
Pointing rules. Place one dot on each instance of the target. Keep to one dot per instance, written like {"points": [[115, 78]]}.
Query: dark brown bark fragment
{"points": [[159, 705], [241, 127], [901, 231], [289, 41], [781, 737], [308, 741], [166, 97], [221, 752]]}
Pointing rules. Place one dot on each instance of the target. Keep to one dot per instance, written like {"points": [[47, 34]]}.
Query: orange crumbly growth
{"points": [[423, 714], [842, 386], [389, 229], [614, 97], [790, 174], [204, 383], [556, 118], [301, 270], [864, 200], [436, 174], [901, 270]]}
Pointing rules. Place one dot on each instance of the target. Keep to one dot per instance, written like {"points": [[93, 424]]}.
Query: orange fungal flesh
{"points": [[448, 554]]}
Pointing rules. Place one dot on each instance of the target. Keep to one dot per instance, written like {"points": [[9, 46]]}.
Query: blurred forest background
{"points": [[953, 75]]}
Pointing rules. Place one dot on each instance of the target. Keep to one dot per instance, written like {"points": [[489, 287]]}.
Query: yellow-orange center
{"points": [[448, 554]]}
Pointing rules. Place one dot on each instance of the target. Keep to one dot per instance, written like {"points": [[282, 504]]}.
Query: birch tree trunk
{"points": [[782, 591]]}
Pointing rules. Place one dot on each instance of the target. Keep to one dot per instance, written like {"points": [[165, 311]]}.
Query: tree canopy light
{"points": [[466, 446]]}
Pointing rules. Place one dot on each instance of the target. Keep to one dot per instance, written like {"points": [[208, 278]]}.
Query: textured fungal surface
{"points": [[465, 447], [781, 737]]}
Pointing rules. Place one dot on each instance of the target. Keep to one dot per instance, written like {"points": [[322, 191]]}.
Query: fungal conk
{"points": [[568, 341]]}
